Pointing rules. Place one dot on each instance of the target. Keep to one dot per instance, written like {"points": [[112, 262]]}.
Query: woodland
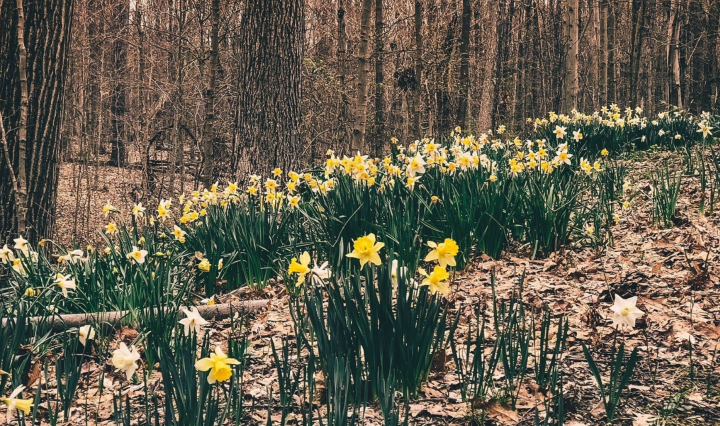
{"points": [[360, 212]]}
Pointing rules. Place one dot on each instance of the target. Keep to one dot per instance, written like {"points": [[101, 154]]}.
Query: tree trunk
{"points": [[209, 126], [603, 52], [272, 36], [673, 56], [636, 42], [611, 72], [571, 55], [360, 121], [464, 83], [45, 35], [417, 90], [118, 149], [379, 122], [342, 47]]}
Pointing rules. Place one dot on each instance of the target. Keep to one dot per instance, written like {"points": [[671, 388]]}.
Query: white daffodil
{"points": [[22, 245], [137, 255], [72, 256], [125, 359], [416, 166], [85, 333], [625, 312], [138, 210], [6, 255], [193, 321], [65, 282]]}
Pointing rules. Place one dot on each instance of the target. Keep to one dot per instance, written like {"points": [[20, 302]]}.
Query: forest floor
{"points": [[672, 271]]}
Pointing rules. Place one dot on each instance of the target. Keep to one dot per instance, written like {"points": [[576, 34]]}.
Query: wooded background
{"points": [[195, 90]]}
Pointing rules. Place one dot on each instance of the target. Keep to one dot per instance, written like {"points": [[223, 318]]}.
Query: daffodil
{"points": [[444, 252], [301, 268], [436, 280], [65, 282], [625, 312], [560, 132], [204, 265], [6, 255], [86, 333], [365, 249], [125, 359], [111, 228], [219, 365], [108, 208], [13, 403], [138, 210], [137, 255], [179, 234], [192, 321]]}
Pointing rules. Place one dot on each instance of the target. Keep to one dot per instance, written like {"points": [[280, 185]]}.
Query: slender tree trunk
{"points": [[209, 126], [673, 56], [361, 101], [417, 90], [571, 55], [464, 82], [118, 153], [379, 122], [603, 52], [611, 72], [21, 188], [636, 42], [342, 47], [272, 36]]}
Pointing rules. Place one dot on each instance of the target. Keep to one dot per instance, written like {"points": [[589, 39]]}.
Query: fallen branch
{"points": [[114, 318]]}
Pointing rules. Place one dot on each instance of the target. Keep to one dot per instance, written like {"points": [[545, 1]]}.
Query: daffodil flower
{"points": [[65, 282], [86, 333], [436, 280], [193, 321], [444, 252], [13, 403], [219, 365], [125, 359], [137, 255], [365, 249], [625, 312], [301, 268]]}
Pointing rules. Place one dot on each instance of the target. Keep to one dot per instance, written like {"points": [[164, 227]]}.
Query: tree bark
{"points": [[379, 122], [118, 148], [342, 47], [360, 121], [209, 126], [571, 55], [272, 36], [464, 83], [603, 52], [673, 56], [45, 37], [417, 90]]}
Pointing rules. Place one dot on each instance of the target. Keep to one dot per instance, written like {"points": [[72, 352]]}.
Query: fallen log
{"points": [[219, 311]]}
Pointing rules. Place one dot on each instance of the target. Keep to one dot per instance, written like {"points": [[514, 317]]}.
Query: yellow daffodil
{"points": [[436, 280], [365, 249], [301, 268], [219, 365], [204, 265], [444, 252]]}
